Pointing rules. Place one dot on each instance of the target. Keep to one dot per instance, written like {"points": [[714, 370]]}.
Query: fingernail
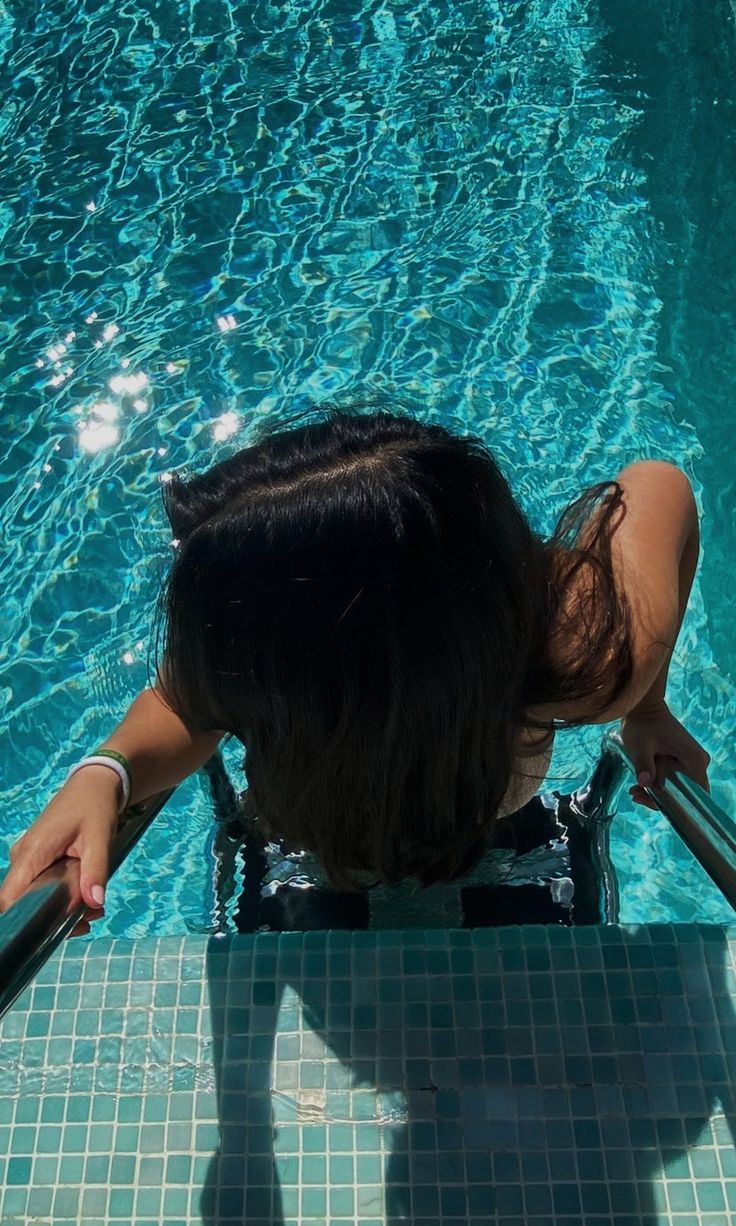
{"points": [[98, 894], [644, 778]]}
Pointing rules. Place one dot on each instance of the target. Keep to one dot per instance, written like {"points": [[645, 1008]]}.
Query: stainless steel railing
{"points": [[706, 830]]}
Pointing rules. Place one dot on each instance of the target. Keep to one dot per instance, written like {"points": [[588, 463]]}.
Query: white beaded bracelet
{"points": [[114, 765]]}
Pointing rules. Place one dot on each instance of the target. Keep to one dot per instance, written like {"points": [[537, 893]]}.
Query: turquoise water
{"points": [[515, 216]]}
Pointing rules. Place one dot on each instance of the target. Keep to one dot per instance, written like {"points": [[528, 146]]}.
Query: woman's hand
{"points": [[654, 733], [80, 821]]}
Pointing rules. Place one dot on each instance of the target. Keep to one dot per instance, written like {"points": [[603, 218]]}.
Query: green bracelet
{"points": [[118, 757]]}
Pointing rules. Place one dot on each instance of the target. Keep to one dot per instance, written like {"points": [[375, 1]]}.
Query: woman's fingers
{"points": [[701, 777], [16, 882], [82, 927], [639, 796], [695, 768]]}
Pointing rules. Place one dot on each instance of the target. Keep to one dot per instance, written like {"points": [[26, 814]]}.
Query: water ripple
{"points": [[258, 207]]}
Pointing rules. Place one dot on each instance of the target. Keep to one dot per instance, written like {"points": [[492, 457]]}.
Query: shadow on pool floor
{"points": [[541, 1071]]}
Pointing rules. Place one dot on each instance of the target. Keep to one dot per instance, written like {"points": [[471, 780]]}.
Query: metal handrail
{"points": [[708, 832], [34, 926]]}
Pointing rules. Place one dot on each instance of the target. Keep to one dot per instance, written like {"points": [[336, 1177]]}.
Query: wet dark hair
{"points": [[361, 601]]}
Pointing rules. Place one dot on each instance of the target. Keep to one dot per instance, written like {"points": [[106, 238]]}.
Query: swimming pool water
{"points": [[517, 217]]}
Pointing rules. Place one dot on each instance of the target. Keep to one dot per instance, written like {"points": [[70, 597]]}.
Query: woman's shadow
{"points": [[466, 1076]]}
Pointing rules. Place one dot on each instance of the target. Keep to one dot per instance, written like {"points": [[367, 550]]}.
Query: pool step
{"points": [[506, 1076]]}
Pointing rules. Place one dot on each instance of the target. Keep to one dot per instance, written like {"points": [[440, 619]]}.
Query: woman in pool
{"points": [[363, 604]]}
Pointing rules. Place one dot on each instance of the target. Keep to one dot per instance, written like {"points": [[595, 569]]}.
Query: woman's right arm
{"points": [[81, 819]]}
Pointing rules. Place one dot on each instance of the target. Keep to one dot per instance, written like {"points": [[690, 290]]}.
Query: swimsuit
{"points": [[525, 877]]}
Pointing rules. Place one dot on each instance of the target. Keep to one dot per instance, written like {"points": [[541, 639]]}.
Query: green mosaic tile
{"points": [[530, 1075]]}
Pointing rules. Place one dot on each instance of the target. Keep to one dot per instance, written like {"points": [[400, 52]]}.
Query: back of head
{"points": [[360, 601]]}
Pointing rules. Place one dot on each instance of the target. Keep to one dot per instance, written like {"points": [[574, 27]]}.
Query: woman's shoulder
{"points": [[646, 544], [568, 642]]}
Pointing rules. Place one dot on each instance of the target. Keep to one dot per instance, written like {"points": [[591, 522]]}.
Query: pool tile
{"points": [[510, 1076]]}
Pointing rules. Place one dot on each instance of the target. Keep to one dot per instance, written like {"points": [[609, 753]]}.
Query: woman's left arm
{"points": [[649, 730], [685, 575]]}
